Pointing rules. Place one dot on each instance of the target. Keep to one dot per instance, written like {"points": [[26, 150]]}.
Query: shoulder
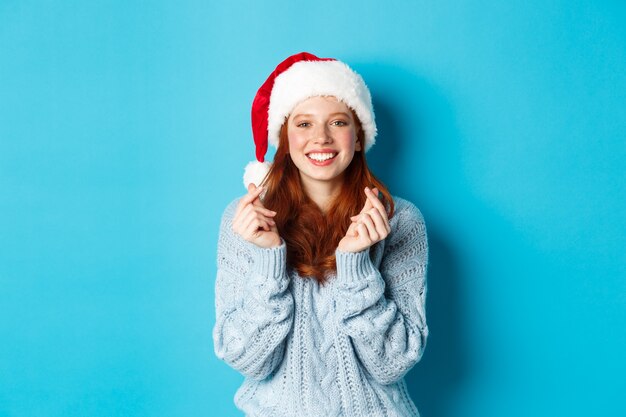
{"points": [[405, 212], [407, 223], [229, 243], [229, 211], [226, 224]]}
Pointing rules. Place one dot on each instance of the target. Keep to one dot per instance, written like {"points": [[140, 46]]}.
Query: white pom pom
{"points": [[255, 172]]}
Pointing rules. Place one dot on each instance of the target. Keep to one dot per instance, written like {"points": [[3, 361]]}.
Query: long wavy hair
{"points": [[311, 235]]}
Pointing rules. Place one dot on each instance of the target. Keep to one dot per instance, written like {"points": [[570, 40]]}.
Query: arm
{"points": [[383, 311], [254, 308]]}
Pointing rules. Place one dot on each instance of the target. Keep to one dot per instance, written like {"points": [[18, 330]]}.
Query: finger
{"points": [[262, 210], [369, 202], [253, 193], [379, 222], [367, 205], [253, 226], [372, 196], [253, 216], [375, 201], [257, 201], [259, 224], [366, 219], [363, 233], [241, 218], [383, 217], [253, 232], [245, 217], [240, 221]]}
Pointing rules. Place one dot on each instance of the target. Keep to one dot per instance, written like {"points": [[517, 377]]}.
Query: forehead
{"points": [[320, 105]]}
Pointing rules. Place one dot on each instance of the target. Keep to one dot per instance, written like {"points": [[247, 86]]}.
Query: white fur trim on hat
{"points": [[255, 172], [306, 79]]}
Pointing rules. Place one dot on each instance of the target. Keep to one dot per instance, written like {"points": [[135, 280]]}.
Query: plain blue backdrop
{"points": [[124, 130]]}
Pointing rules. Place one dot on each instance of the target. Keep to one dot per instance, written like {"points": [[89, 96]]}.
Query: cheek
{"points": [[295, 141], [348, 141]]}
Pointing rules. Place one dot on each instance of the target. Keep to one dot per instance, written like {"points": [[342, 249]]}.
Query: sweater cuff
{"points": [[270, 262], [354, 266], [359, 284]]}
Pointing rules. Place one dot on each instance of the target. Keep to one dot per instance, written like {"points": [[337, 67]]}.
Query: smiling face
{"points": [[322, 137]]}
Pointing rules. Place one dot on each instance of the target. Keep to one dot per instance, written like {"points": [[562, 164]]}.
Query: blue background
{"points": [[124, 130]]}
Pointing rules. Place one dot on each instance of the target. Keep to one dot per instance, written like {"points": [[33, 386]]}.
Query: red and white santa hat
{"points": [[295, 79]]}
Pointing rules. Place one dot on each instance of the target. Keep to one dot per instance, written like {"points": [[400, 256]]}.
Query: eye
{"points": [[303, 124], [339, 123]]}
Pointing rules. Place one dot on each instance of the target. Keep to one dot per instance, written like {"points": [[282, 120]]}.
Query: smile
{"points": [[321, 157]]}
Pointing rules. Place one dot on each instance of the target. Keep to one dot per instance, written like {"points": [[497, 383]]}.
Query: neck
{"points": [[322, 192]]}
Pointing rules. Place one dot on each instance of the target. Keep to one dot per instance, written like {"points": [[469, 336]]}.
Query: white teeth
{"points": [[321, 156]]}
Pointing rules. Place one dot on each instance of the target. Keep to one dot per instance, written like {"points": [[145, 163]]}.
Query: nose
{"points": [[322, 135]]}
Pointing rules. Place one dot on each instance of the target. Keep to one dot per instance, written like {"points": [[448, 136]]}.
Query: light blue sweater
{"points": [[339, 349]]}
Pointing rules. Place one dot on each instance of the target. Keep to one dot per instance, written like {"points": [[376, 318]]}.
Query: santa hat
{"points": [[295, 79]]}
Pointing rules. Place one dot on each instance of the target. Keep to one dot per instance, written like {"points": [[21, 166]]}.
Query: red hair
{"points": [[312, 236]]}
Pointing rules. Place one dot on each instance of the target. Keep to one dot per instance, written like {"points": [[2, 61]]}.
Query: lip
{"points": [[325, 150]]}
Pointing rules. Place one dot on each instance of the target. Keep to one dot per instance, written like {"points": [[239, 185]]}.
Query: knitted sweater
{"points": [[335, 350]]}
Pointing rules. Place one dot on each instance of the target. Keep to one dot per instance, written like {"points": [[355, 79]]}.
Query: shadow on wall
{"points": [[411, 114], [444, 365]]}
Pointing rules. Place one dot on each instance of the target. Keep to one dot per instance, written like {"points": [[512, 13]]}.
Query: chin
{"points": [[325, 178]]}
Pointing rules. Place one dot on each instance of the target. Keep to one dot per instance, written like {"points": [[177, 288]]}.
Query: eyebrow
{"points": [[311, 115]]}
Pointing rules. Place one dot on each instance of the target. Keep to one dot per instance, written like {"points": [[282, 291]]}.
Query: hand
{"points": [[368, 227], [255, 223]]}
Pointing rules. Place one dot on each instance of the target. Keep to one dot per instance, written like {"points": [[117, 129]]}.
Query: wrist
{"points": [[270, 243], [351, 246]]}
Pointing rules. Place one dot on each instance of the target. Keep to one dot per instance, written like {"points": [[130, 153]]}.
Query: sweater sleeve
{"points": [[383, 310], [254, 308]]}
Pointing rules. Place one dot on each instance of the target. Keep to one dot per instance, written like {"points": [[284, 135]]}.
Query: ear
{"points": [[357, 146]]}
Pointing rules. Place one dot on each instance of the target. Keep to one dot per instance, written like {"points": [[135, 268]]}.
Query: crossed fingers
{"points": [[251, 216], [253, 193], [373, 217]]}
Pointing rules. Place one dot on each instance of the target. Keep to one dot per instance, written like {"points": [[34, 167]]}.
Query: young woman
{"points": [[321, 281]]}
